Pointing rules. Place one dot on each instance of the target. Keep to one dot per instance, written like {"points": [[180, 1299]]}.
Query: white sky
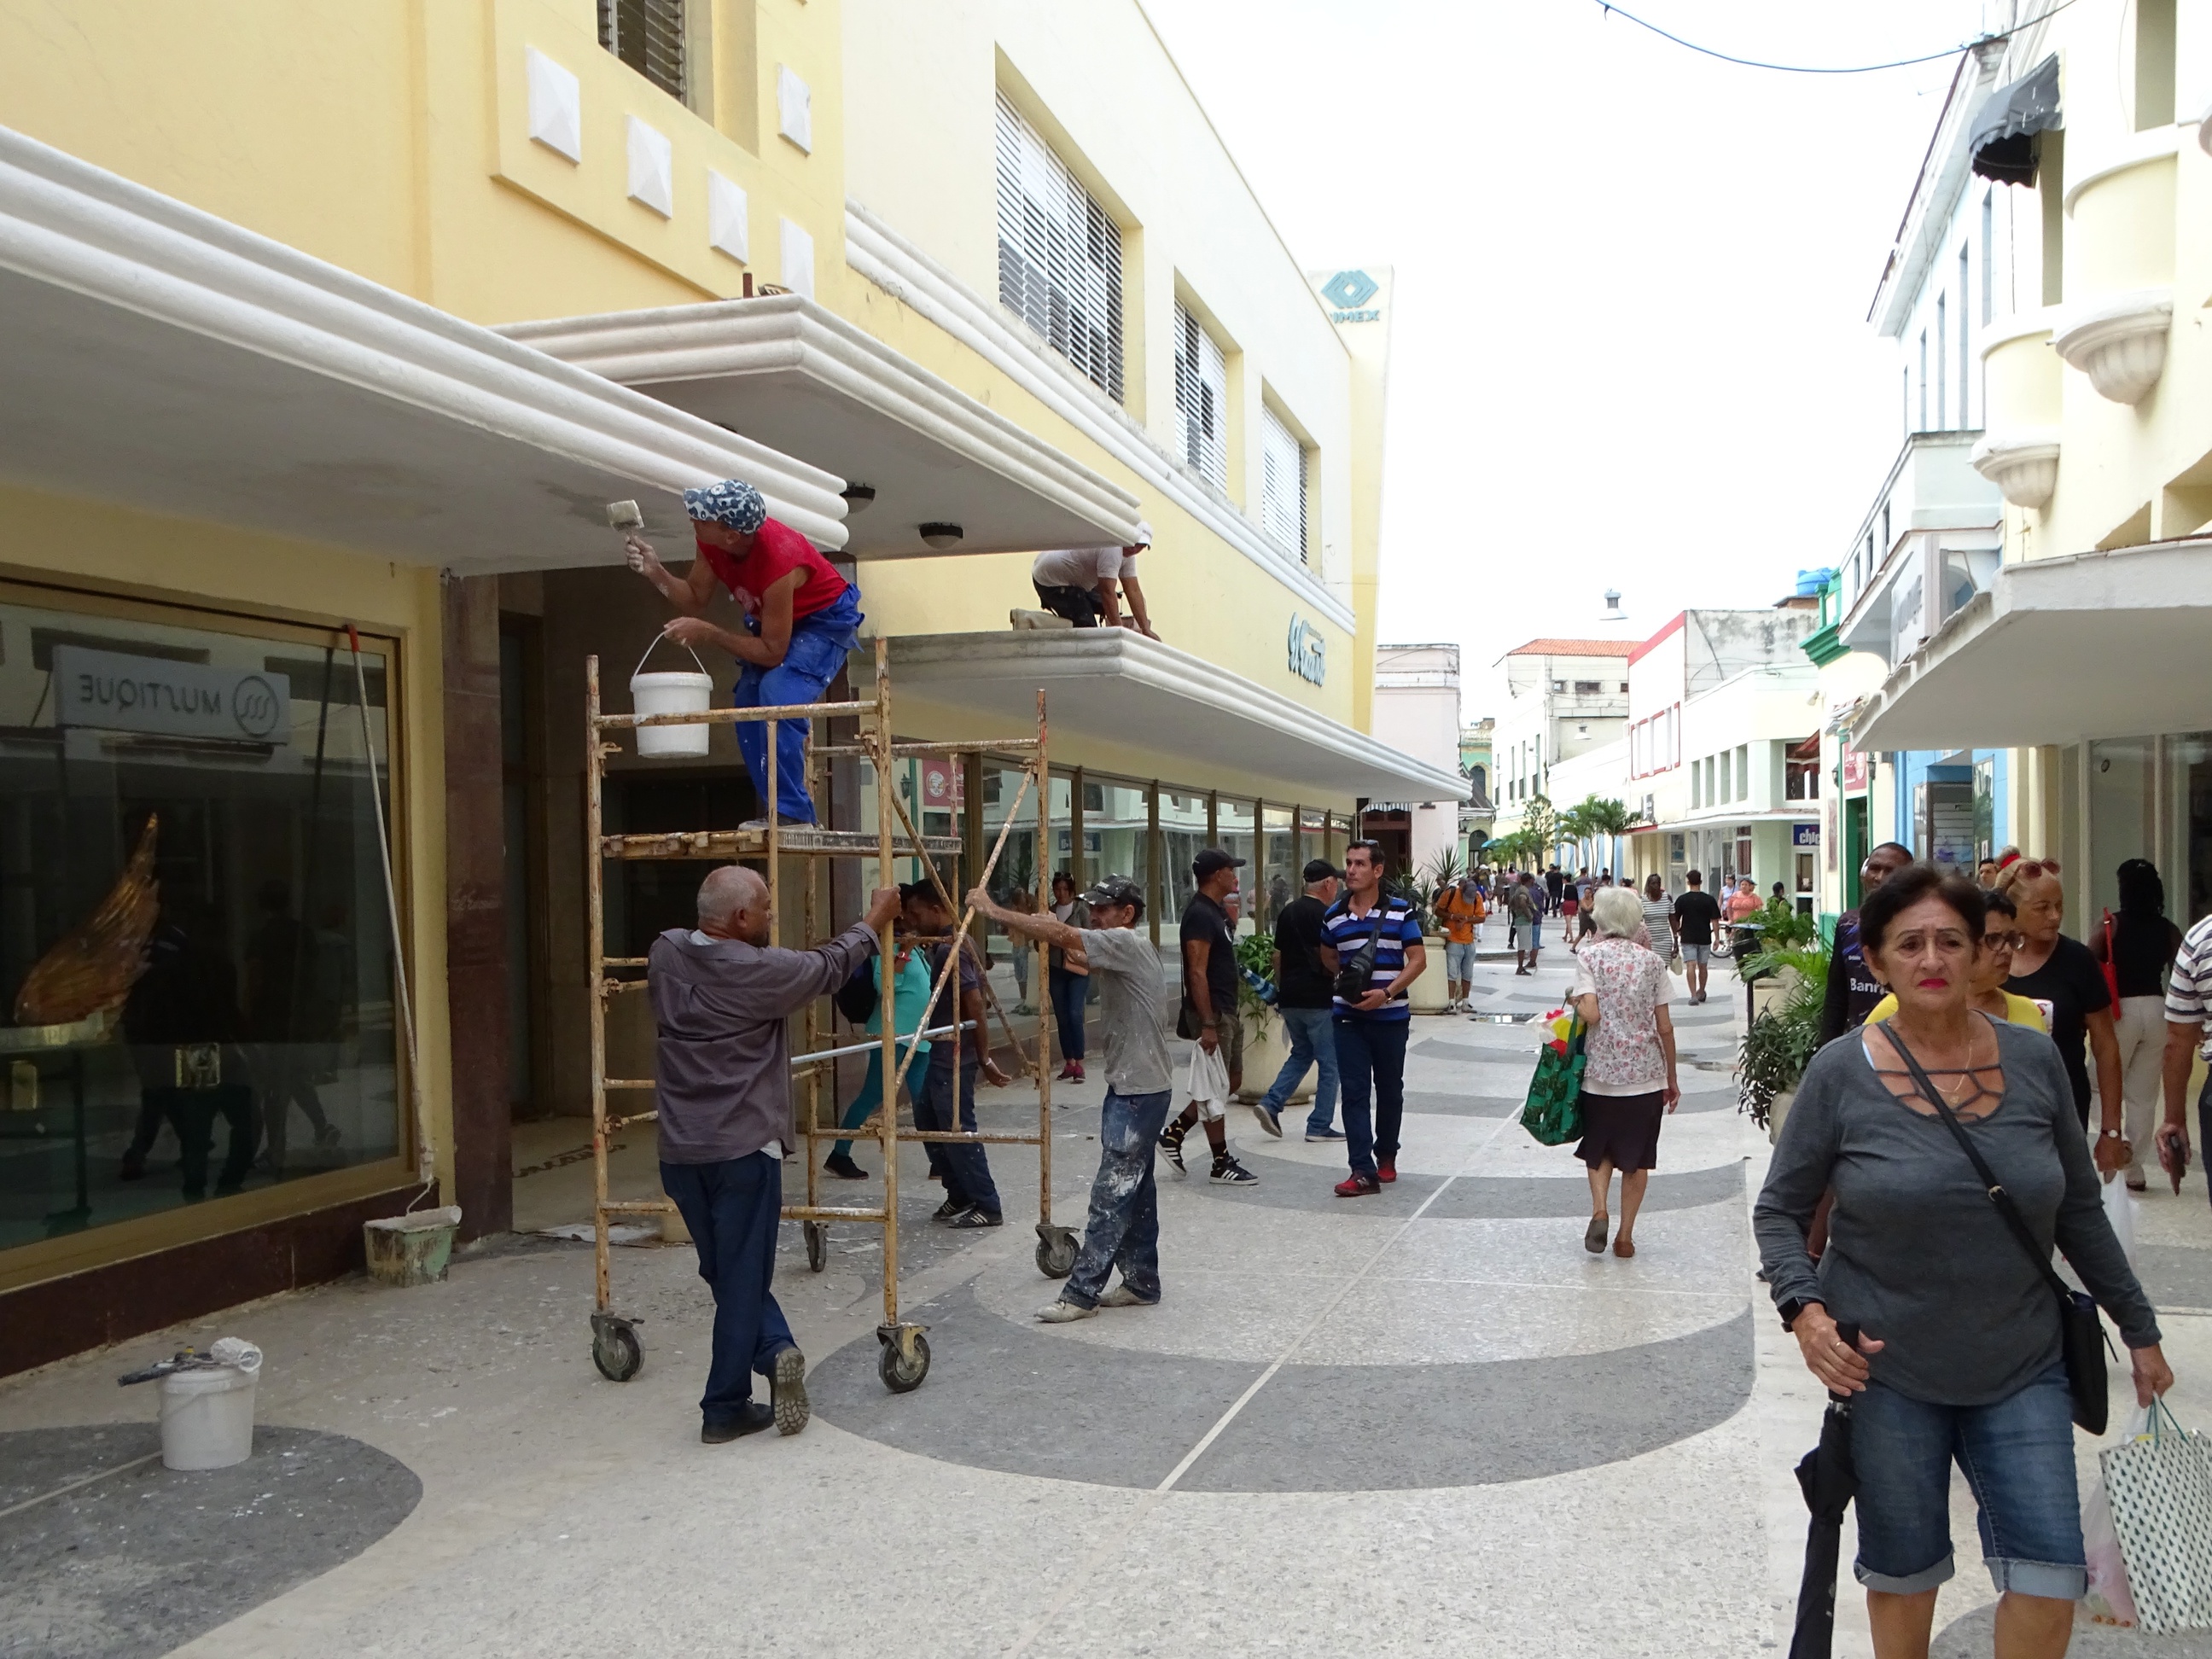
{"points": [[1631, 347]]}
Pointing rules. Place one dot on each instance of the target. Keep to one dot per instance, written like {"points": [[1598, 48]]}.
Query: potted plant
{"points": [[1265, 1047], [1783, 1034], [1429, 994]]}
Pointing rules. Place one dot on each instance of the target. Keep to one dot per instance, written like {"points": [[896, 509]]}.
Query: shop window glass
{"points": [[1234, 820], [1278, 863], [197, 799]]}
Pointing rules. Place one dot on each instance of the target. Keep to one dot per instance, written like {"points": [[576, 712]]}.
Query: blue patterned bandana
{"points": [[732, 502]]}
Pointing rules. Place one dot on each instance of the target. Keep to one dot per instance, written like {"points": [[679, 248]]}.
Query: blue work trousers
{"points": [[731, 1207], [817, 652], [1313, 1044], [1124, 1228], [1371, 1060]]}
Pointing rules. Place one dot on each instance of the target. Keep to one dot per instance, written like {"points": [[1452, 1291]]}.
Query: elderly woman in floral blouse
{"points": [[1621, 989]]}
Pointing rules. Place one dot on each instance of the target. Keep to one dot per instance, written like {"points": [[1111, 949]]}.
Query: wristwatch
{"points": [[1791, 1309]]}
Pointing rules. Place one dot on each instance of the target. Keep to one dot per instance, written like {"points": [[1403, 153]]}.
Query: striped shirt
{"points": [[1347, 934], [1659, 922], [2188, 993]]}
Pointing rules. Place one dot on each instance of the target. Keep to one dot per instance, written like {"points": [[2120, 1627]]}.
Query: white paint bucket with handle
{"points": [[670, 693], [207, 1411]]}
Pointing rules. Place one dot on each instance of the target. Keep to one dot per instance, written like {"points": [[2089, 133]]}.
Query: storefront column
{"points": [[1152, 854], [1076, 867], [476, 907]]}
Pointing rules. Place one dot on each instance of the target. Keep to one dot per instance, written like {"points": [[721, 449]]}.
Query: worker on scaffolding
{"points": [[721, 1000], [800, 618]]}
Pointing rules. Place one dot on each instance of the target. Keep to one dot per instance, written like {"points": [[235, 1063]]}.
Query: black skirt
{"points": [[1622, 1130]]}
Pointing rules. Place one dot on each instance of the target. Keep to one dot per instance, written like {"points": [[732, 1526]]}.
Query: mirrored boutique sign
{"points": [[120, 692]]}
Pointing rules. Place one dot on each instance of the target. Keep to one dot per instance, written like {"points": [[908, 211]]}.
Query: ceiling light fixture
{"points": [[942, 536], [859, 497]]}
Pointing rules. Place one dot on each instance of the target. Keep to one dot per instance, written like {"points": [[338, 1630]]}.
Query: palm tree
{"points": [[1574, 826], [1609, 818]]}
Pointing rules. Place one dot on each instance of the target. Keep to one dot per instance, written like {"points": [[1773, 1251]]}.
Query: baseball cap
{"points": [[1113, 890], [1211, 860], [1319, 870], [1144, 535]]}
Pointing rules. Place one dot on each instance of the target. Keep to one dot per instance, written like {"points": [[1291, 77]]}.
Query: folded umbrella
{"points": [[1829, 1481]]}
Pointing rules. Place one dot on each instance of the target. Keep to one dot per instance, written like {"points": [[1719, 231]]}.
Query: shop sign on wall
{"points": [[1309, 651], [1802, 836], [116, 691]]}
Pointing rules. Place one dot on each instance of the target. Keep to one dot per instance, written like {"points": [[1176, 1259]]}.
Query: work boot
{"points": [[752, 1417], [787, 1387]]}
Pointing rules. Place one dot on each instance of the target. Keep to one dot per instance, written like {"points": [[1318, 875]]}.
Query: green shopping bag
{"points": [[1554, 1113]]}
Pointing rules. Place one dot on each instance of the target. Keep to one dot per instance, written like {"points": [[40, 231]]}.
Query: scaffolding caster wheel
{"points": [[615, 1347], [1055, 1250], [905, 1359], [817, 1245]]}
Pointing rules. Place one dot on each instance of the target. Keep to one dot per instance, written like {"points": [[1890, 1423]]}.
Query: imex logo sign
{"points": [[1309, 651], [1348, 291]]}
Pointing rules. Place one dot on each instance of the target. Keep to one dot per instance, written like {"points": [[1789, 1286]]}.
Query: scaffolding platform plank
{"points": [[791, 839]]}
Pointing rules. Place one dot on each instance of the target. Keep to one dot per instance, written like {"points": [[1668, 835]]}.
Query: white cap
{"points": [[1144, 535]]}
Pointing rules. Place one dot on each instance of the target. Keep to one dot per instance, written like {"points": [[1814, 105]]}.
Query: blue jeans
{"points": [[1124, 1228], [871, 1093], [817, 652], [732, 1208], [2018, 1457], [1069, 991], [966, 1171], [1311, 1044], [1371, 1057]]}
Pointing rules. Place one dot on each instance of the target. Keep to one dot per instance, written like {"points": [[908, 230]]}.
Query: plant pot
{"points": [[1264, 1055], [1429, 993], [1778, 1111]]}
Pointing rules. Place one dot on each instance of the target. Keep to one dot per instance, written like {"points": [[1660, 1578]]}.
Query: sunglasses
{"points": [[2003, 941]]}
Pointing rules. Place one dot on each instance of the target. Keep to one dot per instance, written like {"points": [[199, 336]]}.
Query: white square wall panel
{"points": [[556, 106], [797, 258], [726, 220], [794, 108], [652, 169]]}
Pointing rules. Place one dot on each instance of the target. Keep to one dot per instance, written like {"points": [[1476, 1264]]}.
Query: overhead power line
{"points": [[1611, 10]]}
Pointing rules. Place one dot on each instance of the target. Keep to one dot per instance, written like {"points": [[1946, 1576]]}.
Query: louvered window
{"points": [[1060, 256], [648, 36], [1282, 486], [1201, 388]]}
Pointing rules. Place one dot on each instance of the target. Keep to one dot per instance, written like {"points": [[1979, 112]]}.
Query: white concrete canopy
{"points": [[1115, 684], [782, 369], [155, 355], [2090, 645]]}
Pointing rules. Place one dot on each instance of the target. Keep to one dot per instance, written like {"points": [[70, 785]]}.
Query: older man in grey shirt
{"points": [[1124, 1228], [722, 1070]]}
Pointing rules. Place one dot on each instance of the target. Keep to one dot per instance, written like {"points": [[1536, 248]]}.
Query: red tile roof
{"points": [[1574, 648]]}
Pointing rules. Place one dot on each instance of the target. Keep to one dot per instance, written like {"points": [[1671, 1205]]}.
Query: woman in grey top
{"points": [[1958, 1355]]}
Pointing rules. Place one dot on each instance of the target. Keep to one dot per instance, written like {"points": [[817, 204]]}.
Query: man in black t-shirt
{"points": [[1210, 979], [1697, 913], [1302, 994]]}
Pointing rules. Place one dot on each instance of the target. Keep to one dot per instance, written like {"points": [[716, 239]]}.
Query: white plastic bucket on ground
{"points": [[207, 1412], [670, 693]]}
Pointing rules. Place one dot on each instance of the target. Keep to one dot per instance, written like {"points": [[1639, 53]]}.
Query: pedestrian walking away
{"points": [[1659, 920], [2136, 948], [1959, 1355], [1123, 1228], [2061, 975], [1209, 1015], [1068, 985], [956, 1061], [1697, 913], [1458, 906], [1370, 1027], [1525, 899], [722, 997], [1304, 997], [1852, 989], [800, 619], [1629, 1081]]}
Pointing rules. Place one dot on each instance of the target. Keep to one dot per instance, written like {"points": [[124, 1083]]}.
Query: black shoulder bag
{"points": [[2081, 1336], [1356, 978]]}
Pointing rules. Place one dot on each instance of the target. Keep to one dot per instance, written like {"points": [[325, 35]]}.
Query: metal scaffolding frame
{"points": [[903, 1361]]}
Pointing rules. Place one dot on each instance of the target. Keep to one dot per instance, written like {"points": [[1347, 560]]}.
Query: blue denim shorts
{"points": [[2016, 1454], [1459, 961]]}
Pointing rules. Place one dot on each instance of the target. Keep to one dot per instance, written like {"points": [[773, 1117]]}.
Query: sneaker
{"points": [[783, 819], [838, 1165], [946, 1211], [1228, 1172], [1076, 1076], [1171, 1144], [1386, 1170], [1122, 1297], [1313, 1135], [752, 1417], [972, 1218], [1024, 1008], [1270, 1119], [1063, 1313], [787, 1392], [1358, 1186]]}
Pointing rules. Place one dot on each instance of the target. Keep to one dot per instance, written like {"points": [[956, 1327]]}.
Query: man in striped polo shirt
{"points": [[1370, 1031], [2188, 1015]]}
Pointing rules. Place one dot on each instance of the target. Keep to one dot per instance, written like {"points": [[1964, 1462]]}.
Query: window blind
{"points": [[648, 36], [1059, 255], [1201, 389], [1282, 486]]}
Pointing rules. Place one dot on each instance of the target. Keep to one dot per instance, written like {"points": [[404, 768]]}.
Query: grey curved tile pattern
{"points": [[1016, 1399], [1970, 1635], [127, 1564], [1286, 1185]]}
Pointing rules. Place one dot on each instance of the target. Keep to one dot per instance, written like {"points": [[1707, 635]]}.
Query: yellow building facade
{"points": [[330, 315]]}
